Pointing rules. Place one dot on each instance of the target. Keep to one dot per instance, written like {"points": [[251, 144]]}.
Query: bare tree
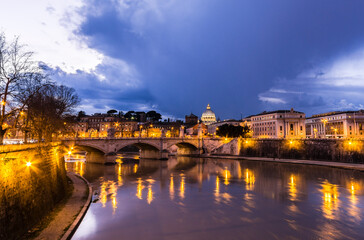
{"points": [[20, 79], [48, 108]]}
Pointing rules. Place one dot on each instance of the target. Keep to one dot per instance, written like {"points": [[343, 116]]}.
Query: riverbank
{"points": [[67, 219], [352, 166]]}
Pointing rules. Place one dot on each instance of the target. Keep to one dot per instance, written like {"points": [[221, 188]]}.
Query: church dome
{"points": [[208, 116]]}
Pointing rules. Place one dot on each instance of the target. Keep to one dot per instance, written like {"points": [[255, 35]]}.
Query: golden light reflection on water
{"points": [[249, 180], [108, 189], [140, 187], [79, 168], [120, 178], [330, 200], [227, 176], [135, 168], [292, 188], [217, 189], [353, 209], [182, 186], [150, 194], [113, 192], [103, 193], [171, 187]]}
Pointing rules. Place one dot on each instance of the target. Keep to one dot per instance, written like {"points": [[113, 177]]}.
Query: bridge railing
{"points": [[133, 138]]}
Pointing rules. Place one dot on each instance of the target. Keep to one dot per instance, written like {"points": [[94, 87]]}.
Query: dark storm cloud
{"points": [[226, 53], [103, 94]]}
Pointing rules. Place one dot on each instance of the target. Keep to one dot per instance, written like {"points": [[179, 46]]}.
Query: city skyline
{"points": [[241, 57]]}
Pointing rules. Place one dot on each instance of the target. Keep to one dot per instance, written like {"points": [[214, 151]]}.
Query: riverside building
{"points": [[345, 124], [278, 124]]}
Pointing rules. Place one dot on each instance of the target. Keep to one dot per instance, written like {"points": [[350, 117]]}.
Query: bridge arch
{"points": [[185, 148], [86, 147], [141, 145], [147, 150]]}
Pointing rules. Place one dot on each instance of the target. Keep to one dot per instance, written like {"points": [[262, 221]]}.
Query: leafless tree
{"points": [[20, 78], [48, 108]]}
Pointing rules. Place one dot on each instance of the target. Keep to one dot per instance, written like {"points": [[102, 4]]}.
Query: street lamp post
{"points": [[315, 132], [324, 121]]}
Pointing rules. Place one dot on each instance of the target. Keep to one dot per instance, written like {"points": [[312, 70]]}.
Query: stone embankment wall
{"points": [[350, 150], [29, 191]]}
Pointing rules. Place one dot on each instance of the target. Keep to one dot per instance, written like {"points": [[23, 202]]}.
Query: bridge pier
{"points": [[153, 154]]}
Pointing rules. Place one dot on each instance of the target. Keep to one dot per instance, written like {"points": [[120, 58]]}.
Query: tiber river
{"points": [[200, 198]]}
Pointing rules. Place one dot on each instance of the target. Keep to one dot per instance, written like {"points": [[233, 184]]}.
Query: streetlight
{"points": [[315, 132], [324, 121]]}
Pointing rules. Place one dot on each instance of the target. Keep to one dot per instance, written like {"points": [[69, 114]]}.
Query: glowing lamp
{"points": [[28, 164]]}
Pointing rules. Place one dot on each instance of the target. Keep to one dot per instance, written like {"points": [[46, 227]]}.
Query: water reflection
{"points": [[140, 187], [171, 187], [182, 186], [261, 200], [330, 201], [249, 180]]}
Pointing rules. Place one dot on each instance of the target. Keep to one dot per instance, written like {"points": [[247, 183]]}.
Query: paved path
{"points": [[354, 166], [64, 219]]}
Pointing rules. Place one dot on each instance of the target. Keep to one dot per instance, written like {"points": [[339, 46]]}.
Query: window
{"points": [[280, 128], [301, 128], [291, 126], [350, 128], [360, 126]]}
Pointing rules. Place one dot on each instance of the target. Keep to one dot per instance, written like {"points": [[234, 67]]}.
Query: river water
{"points": [[199, 198]]}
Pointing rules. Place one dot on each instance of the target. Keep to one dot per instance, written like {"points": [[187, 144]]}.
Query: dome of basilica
{"points": [[208, 116]]}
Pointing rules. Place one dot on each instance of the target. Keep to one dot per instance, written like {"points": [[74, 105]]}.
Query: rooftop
{"points": [[335, 113], [276, 111]]}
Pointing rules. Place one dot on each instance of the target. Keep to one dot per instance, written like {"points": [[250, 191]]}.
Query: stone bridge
{"points": [[155, 148]]}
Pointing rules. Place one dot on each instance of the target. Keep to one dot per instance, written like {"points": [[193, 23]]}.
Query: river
{"points": [[200, 198]]}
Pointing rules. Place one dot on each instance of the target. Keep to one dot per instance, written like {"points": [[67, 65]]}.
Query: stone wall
{"points": [[312, 149], [229, 147], [28, 193]]}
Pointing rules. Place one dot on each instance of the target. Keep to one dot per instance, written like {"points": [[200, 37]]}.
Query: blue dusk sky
{"points": [[175, 56]]}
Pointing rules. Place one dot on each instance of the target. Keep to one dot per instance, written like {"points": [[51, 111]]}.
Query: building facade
{"points": [[348, 124], [279, 124], [191, 119]]}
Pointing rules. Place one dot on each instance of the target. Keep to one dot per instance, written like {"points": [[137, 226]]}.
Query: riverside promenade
{"points": [[68, 218]]}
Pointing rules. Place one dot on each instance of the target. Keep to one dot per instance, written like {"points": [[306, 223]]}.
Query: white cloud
{"points": [[334, 85], [273, 100], [47, 27], [346, 71], [277, 90]]}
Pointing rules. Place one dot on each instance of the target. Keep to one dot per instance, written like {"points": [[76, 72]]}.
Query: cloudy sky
{"points": [[173, 56]]}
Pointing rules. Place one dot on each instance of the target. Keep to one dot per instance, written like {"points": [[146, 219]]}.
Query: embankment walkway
{"points": [[67, 220]]}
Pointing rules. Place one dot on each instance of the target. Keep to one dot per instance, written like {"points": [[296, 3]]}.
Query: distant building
{"points": [[208, 116], [279, 124], [159, 129], [345, 124], [191, 119]]}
